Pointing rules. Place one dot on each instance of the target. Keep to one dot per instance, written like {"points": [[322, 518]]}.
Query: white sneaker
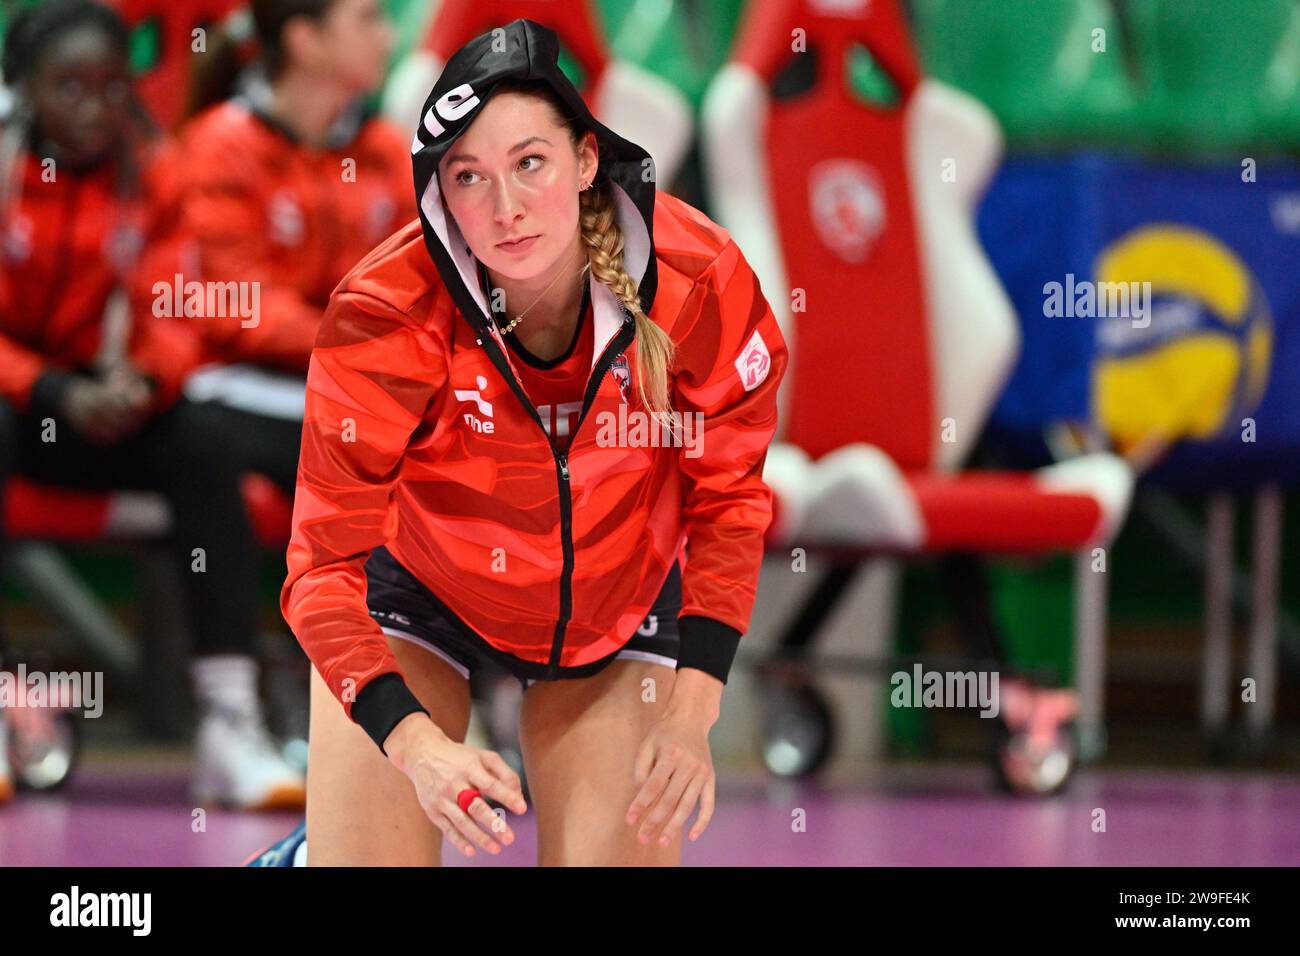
{"points": [[6, 775], [238, 765]]}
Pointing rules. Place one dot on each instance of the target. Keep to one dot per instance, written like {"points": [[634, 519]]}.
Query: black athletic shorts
{"points": [[406, 609]]}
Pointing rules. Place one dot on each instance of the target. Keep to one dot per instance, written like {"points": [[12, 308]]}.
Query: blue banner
{"points": [[1155, 302]]}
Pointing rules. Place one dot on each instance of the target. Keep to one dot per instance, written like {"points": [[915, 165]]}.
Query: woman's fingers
{"points": [[503, 794], [706, 808], [458, 827], [684, 808], [480, 823], [653, 786], [466, 826], [439, 782], [504, 783], [444, 823], [493, 820], [683, 774]]}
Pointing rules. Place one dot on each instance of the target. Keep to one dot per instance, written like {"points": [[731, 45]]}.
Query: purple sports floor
{"points": [[128, 812]]}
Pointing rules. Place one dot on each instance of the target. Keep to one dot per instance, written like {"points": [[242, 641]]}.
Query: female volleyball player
{"points": [[482, 485]]}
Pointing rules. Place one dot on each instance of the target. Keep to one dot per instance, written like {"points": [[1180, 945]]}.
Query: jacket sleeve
{"points": [[728, 368], [225, 217], [21, 370], [370, 379], [28, 381]]}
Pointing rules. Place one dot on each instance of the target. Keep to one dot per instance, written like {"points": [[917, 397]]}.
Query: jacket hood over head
{"points": [[526, 50]]}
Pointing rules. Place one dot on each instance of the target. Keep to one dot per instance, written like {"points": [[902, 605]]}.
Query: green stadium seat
{"points": [[410, 20], [685, 43], [1280, 109], [1205, 68], [1033, 63]]}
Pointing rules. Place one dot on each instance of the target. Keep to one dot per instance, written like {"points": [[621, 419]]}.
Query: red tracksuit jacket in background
{"points": [[262, 207], [65, 245]]}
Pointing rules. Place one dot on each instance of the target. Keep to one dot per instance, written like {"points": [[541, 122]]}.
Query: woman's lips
{"points": [[518, 246]]}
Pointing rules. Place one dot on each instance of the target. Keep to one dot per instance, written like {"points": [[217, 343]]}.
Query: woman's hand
{"points": [[130, 389], [674, 767], [440, 768], [107, 409], [90, 409]]}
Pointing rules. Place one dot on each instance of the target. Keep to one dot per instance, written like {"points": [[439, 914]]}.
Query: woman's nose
{"points": [[91, 110], [508, 208]]}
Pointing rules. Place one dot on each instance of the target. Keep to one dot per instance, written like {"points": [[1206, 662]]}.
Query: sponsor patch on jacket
{"points": [[754, 362], [622, 375]]}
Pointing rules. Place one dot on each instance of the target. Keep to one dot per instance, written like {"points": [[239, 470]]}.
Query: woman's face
{"points": [[514, 174], [80, 93], [351, 43]]}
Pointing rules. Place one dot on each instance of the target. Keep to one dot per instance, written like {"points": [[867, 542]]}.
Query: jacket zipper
{"points": [[619, 343]]}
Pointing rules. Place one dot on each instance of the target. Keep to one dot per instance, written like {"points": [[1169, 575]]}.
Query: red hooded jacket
{"points": [[419, 436], [395, 451]]}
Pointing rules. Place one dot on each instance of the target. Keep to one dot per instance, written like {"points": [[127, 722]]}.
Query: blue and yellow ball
{"points": [[1196, 363]]}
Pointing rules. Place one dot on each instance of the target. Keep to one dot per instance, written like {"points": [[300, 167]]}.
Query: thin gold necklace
{"points": [[518, 318]]}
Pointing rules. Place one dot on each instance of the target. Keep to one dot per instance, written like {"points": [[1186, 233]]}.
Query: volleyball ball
{"points": [[1190, 358]]}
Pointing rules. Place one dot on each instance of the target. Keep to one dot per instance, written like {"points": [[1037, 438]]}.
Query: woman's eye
{"points": [[463, 173], [527, 158]]}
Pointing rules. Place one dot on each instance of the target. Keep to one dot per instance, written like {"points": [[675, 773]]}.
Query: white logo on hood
{"points": [[451, 106]]}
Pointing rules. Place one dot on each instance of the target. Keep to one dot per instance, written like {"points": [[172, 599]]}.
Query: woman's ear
{"points": [[298, 40], [588, 156]]}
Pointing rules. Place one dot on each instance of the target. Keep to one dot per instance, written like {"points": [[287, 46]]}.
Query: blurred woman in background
{"points": [[91, 376], [286, 181]]}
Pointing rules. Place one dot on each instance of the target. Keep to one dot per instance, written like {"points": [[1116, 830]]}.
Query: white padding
{"points": [[250, 388], [1105, 477], [733, 125], [649, 111], [786, 472], [856, 495], [408, 86], [138, 514], [953, 148]]}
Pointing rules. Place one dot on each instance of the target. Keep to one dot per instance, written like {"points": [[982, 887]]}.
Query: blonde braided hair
{"points": [[603, 239]]}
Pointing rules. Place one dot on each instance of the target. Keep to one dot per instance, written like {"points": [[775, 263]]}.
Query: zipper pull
{"points": [[564, 467]]}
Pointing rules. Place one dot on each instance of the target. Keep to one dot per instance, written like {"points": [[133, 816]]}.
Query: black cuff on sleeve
{"points": [[46, 399], [707, 645], [381, 704]]}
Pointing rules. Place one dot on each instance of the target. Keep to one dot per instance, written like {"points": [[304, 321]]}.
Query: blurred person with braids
{"points": [[91, 376], [535, 431]]}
